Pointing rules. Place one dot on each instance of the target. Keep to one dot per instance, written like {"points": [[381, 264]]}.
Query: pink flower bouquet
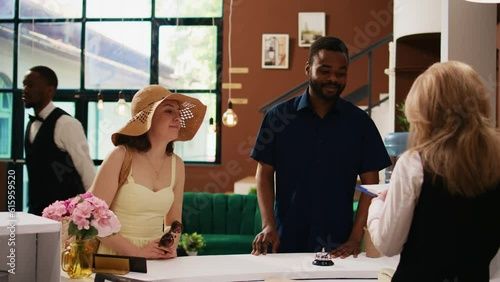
{"points": [[83, 216]]}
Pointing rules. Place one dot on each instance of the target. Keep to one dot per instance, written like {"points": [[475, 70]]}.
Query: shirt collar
{"points": [[47, 110], [303, 102]]}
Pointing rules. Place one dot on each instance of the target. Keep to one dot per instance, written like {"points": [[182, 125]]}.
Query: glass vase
{"points": [[77, 258]]}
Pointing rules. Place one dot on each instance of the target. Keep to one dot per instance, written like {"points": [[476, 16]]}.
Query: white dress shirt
{"points": [[69, 137], [389, 223]]}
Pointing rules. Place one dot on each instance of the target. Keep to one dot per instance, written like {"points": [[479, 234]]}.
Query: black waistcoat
{"points": [[451, 238], [52, 175]]}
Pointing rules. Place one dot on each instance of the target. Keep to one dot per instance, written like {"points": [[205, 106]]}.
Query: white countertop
{"points": [[249, 267], [26, 223], [272, 267]]}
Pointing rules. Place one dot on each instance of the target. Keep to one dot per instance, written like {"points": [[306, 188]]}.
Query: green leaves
{"points": [[401, 117], [192, 242], [81, 234]]}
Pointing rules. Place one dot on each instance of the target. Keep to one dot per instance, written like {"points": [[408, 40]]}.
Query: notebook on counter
{"points": [[373, 189]]}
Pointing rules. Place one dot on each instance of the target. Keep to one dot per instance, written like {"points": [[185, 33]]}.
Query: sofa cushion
{"points": [[218, 213], [228, 244], [228, 222]]}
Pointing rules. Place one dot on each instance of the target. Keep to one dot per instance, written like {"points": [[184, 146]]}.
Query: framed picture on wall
{"points": [[311, 27], [275, 51]]}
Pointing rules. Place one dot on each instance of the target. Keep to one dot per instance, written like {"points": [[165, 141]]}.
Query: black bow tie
{"points": [[33, 118]]}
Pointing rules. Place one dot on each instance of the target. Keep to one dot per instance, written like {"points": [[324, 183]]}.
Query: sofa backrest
{"points": [[218, 213]]}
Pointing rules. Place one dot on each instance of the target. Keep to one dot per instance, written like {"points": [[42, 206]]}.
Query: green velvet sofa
{"points": [[228, 222]]}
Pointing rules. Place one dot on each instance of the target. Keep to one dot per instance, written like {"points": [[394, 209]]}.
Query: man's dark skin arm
{"points": [[353, 244], [265, 195]]}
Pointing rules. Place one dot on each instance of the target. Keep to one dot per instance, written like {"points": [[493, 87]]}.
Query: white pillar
{"points": [[410, 17], [468, 34], [416, 16]]}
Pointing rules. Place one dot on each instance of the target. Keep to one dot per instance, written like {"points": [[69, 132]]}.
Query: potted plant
{"points": [[192, 243], [396, 142], [401, 117], [253, 190]]}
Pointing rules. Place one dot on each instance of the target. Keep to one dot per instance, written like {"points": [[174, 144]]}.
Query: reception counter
{"points": [[30, 247], [36, 257], [271, 267], [257, 268]]}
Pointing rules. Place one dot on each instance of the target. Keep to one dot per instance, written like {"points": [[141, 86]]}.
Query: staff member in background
{"points": [[57, 153]]}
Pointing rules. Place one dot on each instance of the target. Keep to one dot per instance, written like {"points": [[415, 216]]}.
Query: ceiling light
{"points": [[100, 102], [229, 118], [212, 127], [121, 107]]}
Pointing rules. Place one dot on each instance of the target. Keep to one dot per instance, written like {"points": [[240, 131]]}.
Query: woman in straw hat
{"points": [[153, 185], [441, 209]]}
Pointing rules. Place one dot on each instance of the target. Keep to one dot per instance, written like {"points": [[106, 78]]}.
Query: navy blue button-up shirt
{"points": [[317, 162]]}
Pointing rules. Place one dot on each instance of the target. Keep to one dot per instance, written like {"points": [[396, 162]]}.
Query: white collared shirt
{"points": [[69, 137], [389, 221]]}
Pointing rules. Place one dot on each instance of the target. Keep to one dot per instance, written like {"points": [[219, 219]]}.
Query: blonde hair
{"points": [[448, 108]]}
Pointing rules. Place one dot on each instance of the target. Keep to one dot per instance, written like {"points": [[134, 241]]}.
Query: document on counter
{"points": [[373, 189]]}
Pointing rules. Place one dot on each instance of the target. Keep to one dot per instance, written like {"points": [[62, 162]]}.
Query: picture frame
{"points": [[311, 27], [275, 51]]}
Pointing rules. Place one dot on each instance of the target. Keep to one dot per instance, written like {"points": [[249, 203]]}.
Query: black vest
{"points": [[451, 238], [52, 175]]}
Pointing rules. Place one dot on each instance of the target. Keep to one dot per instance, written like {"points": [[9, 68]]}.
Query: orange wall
{"points": [[359, 23]]}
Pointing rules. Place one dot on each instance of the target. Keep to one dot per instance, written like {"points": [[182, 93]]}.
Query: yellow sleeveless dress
{"points": [[141, 211]]}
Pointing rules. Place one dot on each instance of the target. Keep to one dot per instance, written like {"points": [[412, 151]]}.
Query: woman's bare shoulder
{"points": [[117, 155], [179, 162]]}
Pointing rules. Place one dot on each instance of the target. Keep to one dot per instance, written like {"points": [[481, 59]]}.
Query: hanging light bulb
{"points": [[121, 107], [100, 102], [229, 118], [212, 127]]}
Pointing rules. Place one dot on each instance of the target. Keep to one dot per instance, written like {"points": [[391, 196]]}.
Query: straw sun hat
{"points": [[144, 103]]}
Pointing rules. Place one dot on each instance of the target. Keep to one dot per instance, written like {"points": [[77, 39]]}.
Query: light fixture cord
{"points": [[175, 51], [229, 44]]}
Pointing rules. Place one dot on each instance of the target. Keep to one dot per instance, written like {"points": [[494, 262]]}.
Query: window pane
{"points": [[117, 55], [189, 9], [101, 124], [118, 8], [191, 52], [50, 9], [56, 45], [6, 55], [202, 147], [6, 9], [5, 124]]}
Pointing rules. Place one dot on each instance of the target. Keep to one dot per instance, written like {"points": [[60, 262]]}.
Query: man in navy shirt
{"points": [[314, 146]]}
